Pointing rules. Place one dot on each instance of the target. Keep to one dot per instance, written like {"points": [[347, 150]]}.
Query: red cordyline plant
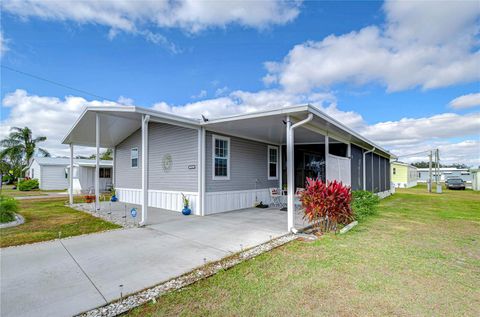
{"points": [[326, 204]]}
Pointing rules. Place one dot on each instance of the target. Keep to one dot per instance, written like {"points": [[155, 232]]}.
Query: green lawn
{"points": [[45, 217], [419, 257], [8, 191]]}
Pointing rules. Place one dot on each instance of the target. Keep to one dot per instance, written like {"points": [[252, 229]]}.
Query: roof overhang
{"points": [[116, 124], [269, 127]]}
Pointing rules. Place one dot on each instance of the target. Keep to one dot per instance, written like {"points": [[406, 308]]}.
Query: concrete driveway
{"points": [[69, 276]]}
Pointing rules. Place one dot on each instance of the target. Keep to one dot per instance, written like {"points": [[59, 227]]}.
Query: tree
{"points": [[19, 147], [107, 155], [420, 164]]}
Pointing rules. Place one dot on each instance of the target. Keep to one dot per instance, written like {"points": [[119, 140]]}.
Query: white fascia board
{"points": [[157, 116], [258, 114]]}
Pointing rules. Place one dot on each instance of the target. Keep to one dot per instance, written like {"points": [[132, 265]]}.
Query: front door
{"points": [[314, 166]]}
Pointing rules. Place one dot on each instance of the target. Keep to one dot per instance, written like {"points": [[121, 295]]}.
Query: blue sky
{"points": [[196, 64]]}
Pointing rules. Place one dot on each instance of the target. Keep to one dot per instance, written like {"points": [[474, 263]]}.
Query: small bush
{"points": [[8, 207], [364, 204], [28, 184], [326, 204]]}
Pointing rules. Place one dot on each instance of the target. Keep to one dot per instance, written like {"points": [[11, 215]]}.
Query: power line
{"points": [[411, 154], [58, 84]]}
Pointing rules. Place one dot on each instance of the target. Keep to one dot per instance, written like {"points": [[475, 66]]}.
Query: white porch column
{"points": [[145, 119], [113, 165], [327, 149], [290, 176], [70, 177], [202, 171], [97, 161]]}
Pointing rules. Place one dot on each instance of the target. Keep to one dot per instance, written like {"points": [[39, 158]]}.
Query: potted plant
{"points": [[89, 198], [186, 210], [114, 197]]}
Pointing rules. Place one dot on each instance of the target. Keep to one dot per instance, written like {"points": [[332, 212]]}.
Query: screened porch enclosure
{"points": [[310, 161]]}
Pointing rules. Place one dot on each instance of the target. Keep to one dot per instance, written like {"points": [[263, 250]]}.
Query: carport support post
{"points": [[290, 176], [70, 177], [97, 161], [144, 203]]}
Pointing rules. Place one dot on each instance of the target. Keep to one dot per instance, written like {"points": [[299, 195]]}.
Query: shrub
{"points": [[364, 204], [8, 207], [326, 204], [28, 184]]}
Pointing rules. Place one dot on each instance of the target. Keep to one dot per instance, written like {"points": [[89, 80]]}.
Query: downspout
{"points": [[365, 167], [290, 171]]}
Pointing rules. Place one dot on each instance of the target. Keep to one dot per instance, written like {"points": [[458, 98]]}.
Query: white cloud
{"points": [[135, 16], [243, 102], [423, 43], [200, 95], [465, 152], [414, 130], [46, 116], [466, 101]]}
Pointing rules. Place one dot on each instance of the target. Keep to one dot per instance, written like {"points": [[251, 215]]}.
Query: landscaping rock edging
{"points": [[132, 301], [17, 222]]}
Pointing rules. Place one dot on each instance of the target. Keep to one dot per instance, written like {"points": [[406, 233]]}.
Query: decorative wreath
{"points": [[167, 162]]}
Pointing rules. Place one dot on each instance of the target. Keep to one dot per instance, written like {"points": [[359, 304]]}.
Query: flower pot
{"points": [[186, 211], [114, 198]]}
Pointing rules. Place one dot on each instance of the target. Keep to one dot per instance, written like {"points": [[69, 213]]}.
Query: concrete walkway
{"points": [[69, 276]]}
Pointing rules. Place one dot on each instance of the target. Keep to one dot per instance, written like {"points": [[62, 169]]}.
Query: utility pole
{"points": [[439, 186], [429, 184]]}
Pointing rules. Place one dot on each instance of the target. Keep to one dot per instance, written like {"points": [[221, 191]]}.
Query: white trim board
{"points": [[163, 199], [216, 202]]}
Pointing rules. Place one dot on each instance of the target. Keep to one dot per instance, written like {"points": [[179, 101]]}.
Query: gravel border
{"points": [[17, 222], [128, 303]]}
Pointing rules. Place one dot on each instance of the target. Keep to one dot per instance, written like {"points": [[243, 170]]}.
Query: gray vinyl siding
{"points": [[125, 175], [182, 145], [248, 162], [179, 142]]}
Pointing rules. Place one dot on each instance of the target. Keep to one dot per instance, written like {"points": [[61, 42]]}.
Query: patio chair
{"points": [[275, 197], [298, 192]]}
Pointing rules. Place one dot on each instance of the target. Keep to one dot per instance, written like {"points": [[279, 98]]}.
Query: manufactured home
{"points": [[53, 173], [444, 174], [230, 163], [403, 175]]}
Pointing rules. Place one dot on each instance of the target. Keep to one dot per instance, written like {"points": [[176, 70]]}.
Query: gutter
{"points": [[365, 168]]}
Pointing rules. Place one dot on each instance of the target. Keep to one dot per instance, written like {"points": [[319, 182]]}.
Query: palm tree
{"points": [[20, 147]]}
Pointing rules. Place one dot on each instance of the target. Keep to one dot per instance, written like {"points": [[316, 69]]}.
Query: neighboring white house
{"points": [[52, 173], [445, 173]]}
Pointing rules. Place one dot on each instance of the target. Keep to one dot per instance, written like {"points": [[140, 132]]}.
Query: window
{"points": [[221, 158], [105, 172], [394, 171], [33, 173], [134, 157], [272, 162]]}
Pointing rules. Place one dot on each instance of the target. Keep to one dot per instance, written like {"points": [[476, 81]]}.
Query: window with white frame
{"points": [[272, 162], [134, 157], [221, 157], [105, 172]]}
